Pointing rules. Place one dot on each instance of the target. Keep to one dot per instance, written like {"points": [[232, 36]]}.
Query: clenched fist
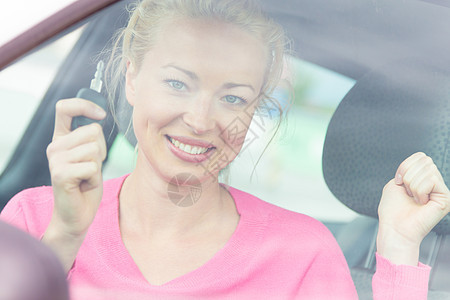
{"points": [[411, 205]]}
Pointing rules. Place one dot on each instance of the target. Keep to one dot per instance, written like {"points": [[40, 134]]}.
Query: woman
{"points": [[192, 68]]}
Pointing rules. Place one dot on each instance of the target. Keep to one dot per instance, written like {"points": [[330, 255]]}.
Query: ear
{"points": [[130, 84]]}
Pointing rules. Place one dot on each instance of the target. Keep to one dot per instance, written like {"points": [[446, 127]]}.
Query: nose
{"points": [[200, 117]]}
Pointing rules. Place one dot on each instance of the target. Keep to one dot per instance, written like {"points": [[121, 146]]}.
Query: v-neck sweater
{"points": [[273, 253]]}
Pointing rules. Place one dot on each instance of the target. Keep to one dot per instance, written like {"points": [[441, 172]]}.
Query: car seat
{"points": [[390, 113]]}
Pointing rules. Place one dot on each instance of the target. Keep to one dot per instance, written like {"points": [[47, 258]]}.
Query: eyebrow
{"points": [[231, 85], [192, 75]]}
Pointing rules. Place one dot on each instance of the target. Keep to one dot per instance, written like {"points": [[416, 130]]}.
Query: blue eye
{"points": [[234, 99], [178, 85]]}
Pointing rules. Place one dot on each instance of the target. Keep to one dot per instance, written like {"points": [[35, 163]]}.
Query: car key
{"points": [[92, 94]]}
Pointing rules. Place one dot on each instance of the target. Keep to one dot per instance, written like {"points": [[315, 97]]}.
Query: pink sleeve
{"points": [[13, 214], [392, 281], [30, 210], [328, 275], [328, 278]]}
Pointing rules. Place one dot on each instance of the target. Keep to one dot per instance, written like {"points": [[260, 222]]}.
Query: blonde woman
{"points": [[191, 69]]}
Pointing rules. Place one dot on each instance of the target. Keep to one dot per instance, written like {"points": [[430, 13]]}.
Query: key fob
{"points": [[95, 97]]}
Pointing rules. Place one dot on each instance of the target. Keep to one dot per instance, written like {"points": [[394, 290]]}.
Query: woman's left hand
{"points": [[411, 205]]}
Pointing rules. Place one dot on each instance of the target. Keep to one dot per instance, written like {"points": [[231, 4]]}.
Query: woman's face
{"points": [[194, 97]]}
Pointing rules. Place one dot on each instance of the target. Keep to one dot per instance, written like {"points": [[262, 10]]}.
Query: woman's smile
{"points": [[190, 150]]}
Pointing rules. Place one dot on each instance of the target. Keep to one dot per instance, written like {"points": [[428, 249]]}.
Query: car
{"points": [[371, 87]]}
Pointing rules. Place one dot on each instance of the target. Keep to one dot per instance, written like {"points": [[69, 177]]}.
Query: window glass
{"points": [[22, 86]]}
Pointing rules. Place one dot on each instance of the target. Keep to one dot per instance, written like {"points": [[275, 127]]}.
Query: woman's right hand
{"points": [[75, 162]]}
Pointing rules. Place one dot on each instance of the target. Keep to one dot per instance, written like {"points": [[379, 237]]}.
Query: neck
{"points": [[146, 208]]}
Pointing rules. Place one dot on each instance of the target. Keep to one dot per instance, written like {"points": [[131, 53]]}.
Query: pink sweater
{"points": [[273, 254]]}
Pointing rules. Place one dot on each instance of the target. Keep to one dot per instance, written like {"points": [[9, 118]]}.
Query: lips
{"points": [[190, 150]]}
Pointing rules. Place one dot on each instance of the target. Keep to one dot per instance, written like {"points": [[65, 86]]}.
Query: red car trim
{"points": [[49, 27]]}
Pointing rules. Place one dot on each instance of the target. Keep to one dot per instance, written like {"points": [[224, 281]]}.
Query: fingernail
{"points": [[398, 178], [100, 112]]}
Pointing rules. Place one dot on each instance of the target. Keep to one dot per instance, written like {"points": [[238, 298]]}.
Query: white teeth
{"points": [[188, 148]]}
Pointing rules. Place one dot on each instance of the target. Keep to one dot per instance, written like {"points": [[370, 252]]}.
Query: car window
{"points": [[22, 86], [358, 39], [289, 173]]}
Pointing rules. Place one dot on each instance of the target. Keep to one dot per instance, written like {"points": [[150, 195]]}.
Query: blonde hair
{"points": [[132, 42]]}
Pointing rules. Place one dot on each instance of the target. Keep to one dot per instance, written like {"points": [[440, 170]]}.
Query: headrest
{"points": [[388, 115]]}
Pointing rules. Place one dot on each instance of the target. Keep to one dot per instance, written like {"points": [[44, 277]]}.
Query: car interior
{"points": [[398, 54], [392, 112]]}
